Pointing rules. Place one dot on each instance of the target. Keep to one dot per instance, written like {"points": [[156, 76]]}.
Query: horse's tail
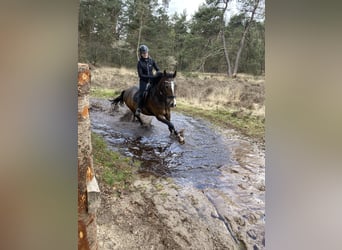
{"points": [[118, 99]]}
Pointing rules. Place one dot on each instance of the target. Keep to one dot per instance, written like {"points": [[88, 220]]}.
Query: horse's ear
{"points": [[174, 74], [164, 72]]}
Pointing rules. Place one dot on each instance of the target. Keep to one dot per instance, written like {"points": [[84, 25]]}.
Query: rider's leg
{"points": [[142, 87], [140, 105]]}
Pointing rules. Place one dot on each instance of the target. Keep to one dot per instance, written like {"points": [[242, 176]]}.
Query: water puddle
{"points": [[197, 161]]}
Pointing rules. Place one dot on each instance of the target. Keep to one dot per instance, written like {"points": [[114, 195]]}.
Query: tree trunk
{"points": [[229, 67], [139, 35], [226, 55], [242, 41], [88, 191]]}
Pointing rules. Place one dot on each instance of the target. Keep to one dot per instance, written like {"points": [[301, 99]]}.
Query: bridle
{"points": [[171, 83]]}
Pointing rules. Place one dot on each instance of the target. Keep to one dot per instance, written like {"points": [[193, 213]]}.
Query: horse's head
{"points": [[167, 87]]}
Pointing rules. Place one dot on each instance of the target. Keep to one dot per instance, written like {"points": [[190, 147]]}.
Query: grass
{"points": [[159, 187], [103, 92], [191, 74], [118, 171], [248, 125]]}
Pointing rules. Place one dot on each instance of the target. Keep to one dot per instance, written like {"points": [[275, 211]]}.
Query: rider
{"points": [[145, 67]]}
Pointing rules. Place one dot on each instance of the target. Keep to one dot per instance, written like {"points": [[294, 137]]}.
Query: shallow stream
{"points": [[229, 170]]}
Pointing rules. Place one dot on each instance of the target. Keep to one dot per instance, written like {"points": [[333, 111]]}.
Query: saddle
{"points": [[145, 94]]}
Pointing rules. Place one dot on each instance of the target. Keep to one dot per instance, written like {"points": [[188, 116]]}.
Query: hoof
{"points": [[180, 136], [181, 140], [181, 132]]}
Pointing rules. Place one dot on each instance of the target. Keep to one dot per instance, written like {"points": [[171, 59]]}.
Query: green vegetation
{"points": [[191, 74], [247, 124], [103, 92], [110, 31], [159, 187], [117, 170]]}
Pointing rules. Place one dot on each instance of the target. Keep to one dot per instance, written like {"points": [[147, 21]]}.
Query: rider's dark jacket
{"points": [[145, 68]]}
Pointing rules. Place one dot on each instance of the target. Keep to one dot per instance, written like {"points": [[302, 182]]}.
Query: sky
{"points": [[192, 6], [179, 5]]}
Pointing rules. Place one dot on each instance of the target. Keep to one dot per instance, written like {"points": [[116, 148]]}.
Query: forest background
{"points": [[214, 39]]}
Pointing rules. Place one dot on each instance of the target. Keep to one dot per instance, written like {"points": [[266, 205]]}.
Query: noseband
{"points": [[171, 96]]}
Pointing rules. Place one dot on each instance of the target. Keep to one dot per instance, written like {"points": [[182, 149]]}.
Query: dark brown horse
{"points": [[158, 100]]}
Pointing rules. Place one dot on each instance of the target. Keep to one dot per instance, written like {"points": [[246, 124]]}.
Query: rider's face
{"points": [[144, 54]]}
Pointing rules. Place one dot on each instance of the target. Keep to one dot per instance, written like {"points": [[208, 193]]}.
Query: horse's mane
{"points": [[159, 75]]}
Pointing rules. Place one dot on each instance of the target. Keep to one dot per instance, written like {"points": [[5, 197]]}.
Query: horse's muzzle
{"points": [[173, 103]]}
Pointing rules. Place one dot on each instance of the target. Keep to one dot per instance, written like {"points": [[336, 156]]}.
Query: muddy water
{"points": [[228, 170], [198, 161]]}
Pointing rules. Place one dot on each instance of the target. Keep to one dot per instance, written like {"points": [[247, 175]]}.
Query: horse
{"points": [[158, 100]]}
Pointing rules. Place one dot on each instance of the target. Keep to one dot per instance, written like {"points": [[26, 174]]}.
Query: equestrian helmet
{"points": [[143, 49]]}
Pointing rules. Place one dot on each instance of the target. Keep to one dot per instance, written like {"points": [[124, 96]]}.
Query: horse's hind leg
{"points": [[113, 108], [139, 119]]}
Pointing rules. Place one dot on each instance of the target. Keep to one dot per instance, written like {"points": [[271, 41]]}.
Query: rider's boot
{"points": [[142, 99], [140, 105]]}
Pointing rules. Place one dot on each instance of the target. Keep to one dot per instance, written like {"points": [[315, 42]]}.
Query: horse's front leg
{"points": [[163, 119], [171, 127]]}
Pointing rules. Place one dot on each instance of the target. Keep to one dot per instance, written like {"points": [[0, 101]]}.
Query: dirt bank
{"points": [[157, 214]]}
